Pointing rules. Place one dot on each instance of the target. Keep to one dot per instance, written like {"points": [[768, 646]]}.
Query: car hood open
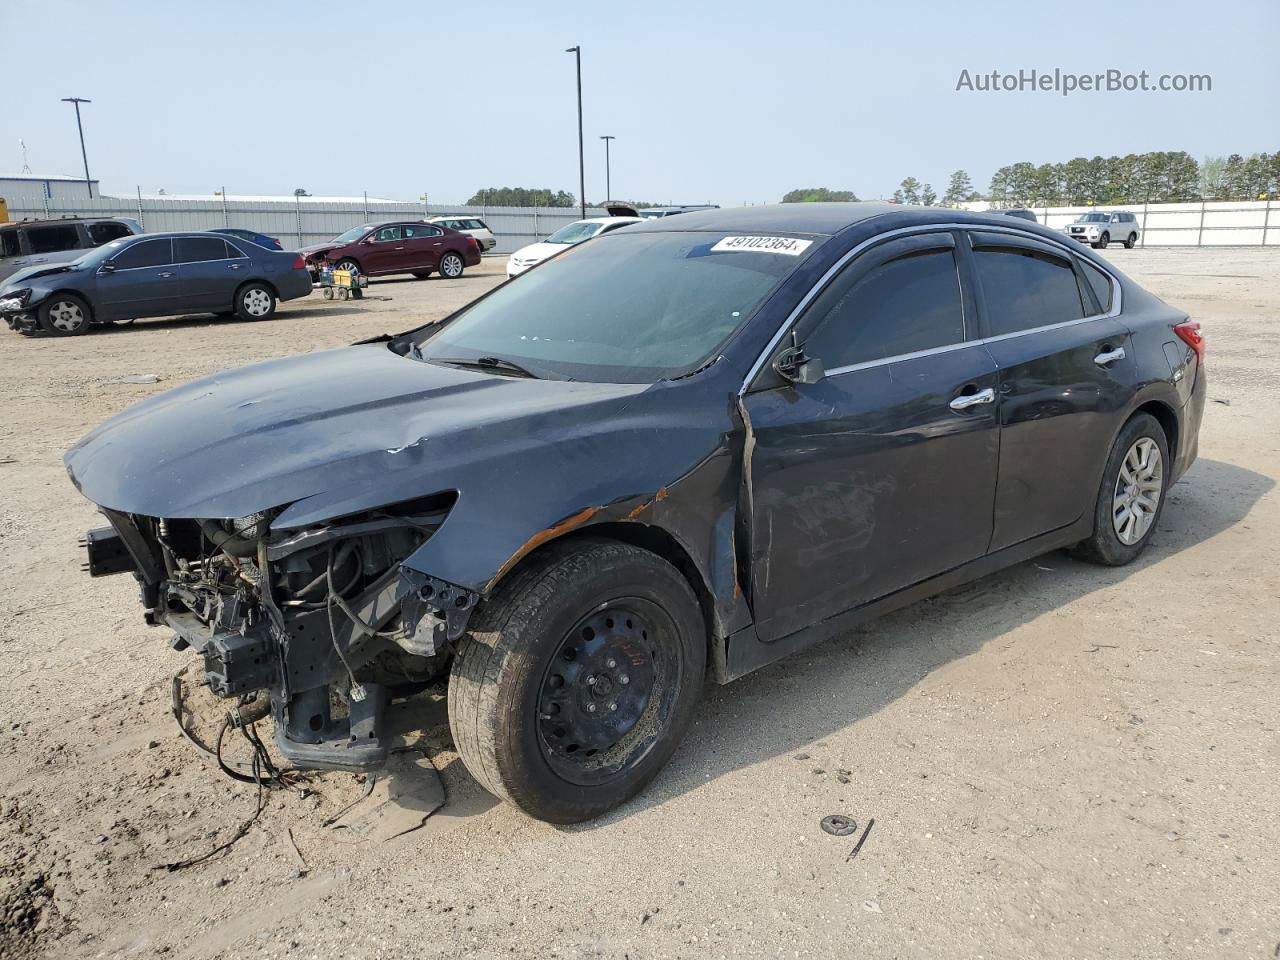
{"points": [[335, 429]]}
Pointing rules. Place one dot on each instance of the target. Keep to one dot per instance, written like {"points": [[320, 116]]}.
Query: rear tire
{"points": [[64, 315], [1132, 495], [577, 679], [451, 266], [1131, 241], [255, 301]]}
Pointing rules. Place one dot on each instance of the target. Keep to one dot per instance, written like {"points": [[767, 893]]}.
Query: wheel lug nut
{"points": [[591, 678], [591, 708], [624, 679], [611, 664], [613, 706]]}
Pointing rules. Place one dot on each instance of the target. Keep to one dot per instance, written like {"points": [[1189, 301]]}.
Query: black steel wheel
{"points": [[578, 678]]}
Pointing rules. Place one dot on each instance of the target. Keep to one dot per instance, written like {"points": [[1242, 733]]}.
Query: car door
{"points": [[423, 244], [51, 243], [207, 274], [140, 281], [1066, 376], [11, 257], [881, 474], [384, 252]]}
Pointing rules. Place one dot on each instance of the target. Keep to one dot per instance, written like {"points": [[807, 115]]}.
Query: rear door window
{"points": [[475, 225], [147, 253], [107, 231], [418, 231], [904, 306], [53, 239], [1026, 288], [9, 243], [199, 249]]}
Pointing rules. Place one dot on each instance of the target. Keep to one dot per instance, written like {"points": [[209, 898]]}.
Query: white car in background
{"points": [[567, 236], [472, 226]]}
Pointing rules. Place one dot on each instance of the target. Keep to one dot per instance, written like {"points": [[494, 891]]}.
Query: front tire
{"points": [[451, 266], [64, 315], [255, 301], [1132, 494], [1103, 242], [577, 679]]}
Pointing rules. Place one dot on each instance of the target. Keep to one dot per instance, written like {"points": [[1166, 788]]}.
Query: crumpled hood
{"points": [[332, 432], [24, 276]]}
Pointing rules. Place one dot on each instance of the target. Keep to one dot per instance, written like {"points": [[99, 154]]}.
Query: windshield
{"points": [[630, 308], [1094, 218], [99, 255], [574, 232], [352, 235]]}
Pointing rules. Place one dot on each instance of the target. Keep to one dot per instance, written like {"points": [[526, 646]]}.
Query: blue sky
{"points": [[711, 102]]}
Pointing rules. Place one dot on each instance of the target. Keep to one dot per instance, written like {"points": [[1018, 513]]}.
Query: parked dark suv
{"points": [[153, 275], [36, 243], [409, 246], [686, 448]]}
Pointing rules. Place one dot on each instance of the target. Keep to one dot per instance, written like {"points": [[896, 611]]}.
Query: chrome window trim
{"points": [[836, 267]]}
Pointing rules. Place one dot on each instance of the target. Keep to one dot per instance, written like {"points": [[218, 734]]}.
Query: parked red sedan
{"points": [[379, 249]]}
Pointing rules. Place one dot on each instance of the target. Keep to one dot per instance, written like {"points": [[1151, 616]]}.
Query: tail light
{"points": [[299, 263], [472, 240], [1189, 333]]}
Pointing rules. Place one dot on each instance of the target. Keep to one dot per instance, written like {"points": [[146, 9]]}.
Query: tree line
{"points": [[1155, 177]]}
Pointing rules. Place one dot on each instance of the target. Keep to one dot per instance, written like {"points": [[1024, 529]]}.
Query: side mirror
{"points": [[794, 367], [107, 267]]}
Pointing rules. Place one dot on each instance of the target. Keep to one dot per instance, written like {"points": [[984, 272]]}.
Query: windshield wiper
{"points": [[488, 363]]}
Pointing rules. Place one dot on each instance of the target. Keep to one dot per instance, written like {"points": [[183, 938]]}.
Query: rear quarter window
{"points": [[1100, 283], [9, 243]]}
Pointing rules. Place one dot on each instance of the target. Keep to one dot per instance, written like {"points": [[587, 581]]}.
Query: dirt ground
{"points": [[1061, 760]]}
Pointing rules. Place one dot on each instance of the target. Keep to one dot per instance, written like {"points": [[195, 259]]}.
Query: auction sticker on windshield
{"points": [[788, 246]]}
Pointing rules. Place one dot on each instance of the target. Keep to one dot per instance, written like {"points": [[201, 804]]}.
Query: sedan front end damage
{"points": [[326, 620]]}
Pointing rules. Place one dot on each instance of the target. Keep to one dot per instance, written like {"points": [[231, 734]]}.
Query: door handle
{"points": [[166, 274], [1109, 356], [399, 248], [437, 244], [966, 400], [234, 266]]}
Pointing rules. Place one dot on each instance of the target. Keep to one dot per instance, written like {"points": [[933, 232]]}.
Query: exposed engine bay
{"points": [[325, 620]]}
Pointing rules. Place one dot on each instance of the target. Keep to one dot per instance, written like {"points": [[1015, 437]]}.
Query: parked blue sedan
{"points": [[261, 239], [153, 275]]}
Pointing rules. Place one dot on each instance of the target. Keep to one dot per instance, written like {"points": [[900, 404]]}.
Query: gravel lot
{"points": [[1061, 760]]}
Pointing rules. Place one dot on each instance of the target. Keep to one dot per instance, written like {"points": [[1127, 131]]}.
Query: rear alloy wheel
{"points": [[64, 315], [577, 679], [1131, 241], [1132, 494], [451, 266], [255, 301]]}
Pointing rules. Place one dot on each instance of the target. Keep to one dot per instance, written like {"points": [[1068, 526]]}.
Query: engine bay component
{"points": [[325, 621]]}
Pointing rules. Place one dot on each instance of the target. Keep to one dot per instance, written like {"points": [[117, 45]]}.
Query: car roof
{"points": [[44, 222], [821, 219], [610, 220]]}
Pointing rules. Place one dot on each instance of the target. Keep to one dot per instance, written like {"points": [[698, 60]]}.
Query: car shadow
{"points": [[197, 321], [817, 692]]}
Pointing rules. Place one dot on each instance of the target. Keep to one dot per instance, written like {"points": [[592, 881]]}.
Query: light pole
{"points": [[608, 187], [582, 171], [76, 101]]}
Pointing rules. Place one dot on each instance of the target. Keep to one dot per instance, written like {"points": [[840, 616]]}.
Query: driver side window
{"points": [[906, 305], [387, 233]]}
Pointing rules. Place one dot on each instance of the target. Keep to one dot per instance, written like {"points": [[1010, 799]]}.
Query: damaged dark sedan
{"points": [[679, 451]]}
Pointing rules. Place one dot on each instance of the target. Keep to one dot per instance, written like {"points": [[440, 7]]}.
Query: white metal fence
{"points": [[1230, 223], [297, 222]]}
